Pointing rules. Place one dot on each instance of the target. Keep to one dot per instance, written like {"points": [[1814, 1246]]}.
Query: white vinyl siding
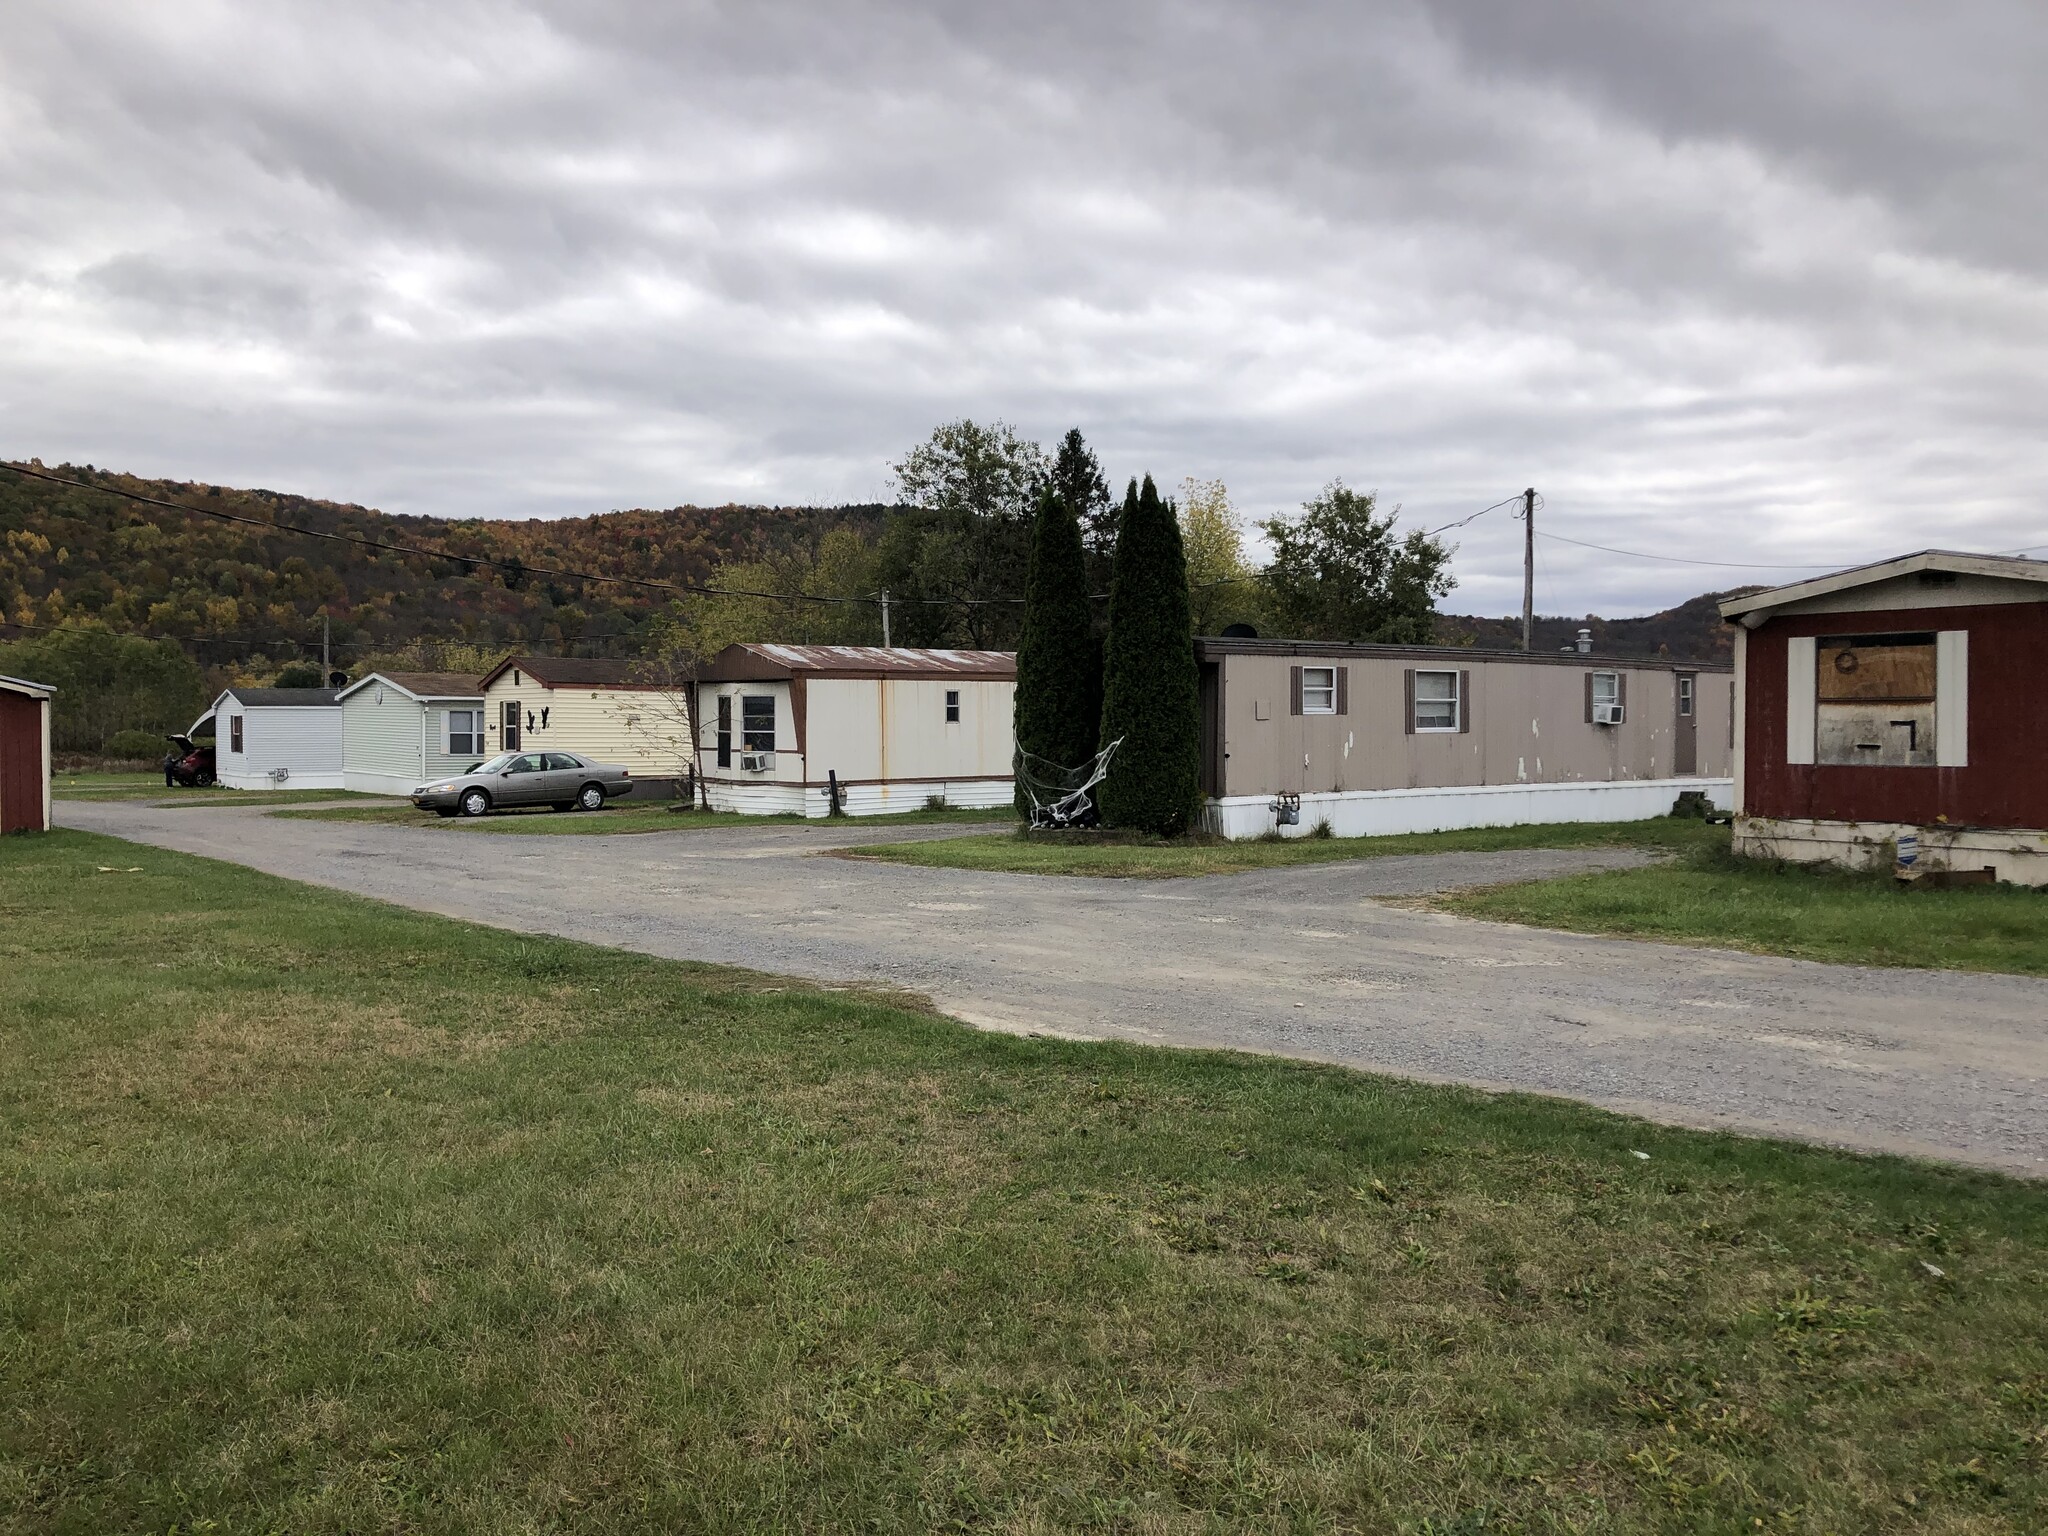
{"points": [[394, 746], [305, 743]]}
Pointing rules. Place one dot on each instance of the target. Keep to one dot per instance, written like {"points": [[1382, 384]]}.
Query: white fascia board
{"points": [[1759, 606]]}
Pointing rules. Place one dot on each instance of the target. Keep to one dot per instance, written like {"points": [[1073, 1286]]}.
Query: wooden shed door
{"points": [[21, 764], [1685, 749]]}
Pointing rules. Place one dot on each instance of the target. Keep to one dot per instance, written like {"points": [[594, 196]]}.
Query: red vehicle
{"points": [[188, 763]]}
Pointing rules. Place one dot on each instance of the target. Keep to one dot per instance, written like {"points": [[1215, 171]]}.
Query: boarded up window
{"points": [[1875, 700]]}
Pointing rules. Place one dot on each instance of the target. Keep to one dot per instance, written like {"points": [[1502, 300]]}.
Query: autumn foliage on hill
{"points": [[238, 596]]}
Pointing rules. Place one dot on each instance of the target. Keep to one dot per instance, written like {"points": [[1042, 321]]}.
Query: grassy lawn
{"points": [[150, 786], [1117, 854], [625, 816], [1709, 896], [321, 1216]]}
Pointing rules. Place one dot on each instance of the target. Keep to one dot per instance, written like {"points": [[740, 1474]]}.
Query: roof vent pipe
{"points": [[1585, 642]]}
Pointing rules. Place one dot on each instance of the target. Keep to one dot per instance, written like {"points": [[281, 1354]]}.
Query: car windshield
{"points": [[498, 764]]}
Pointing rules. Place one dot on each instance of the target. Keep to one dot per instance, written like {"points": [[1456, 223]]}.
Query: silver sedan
{"points": [[560, 779]]}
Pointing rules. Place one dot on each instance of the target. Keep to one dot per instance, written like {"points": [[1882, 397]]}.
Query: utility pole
{"points": [[1529, 569], [885, 618], [326, 649]]}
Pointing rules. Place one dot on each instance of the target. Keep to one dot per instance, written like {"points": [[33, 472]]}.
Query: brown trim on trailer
{"points": [[1445, 657]]}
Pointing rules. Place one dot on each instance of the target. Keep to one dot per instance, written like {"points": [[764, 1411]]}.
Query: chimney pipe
{"points": [[1585, 642]]}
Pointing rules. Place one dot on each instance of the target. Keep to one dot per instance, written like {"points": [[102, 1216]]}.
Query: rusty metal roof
{"points": [[762, 660]]}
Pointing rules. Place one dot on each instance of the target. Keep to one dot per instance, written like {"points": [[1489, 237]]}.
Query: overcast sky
{"points": [[1743, 281]]}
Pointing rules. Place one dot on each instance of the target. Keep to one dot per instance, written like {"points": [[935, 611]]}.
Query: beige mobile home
{"points": [[599, 707], [1376, 739], [888, 727], [400, 730]]}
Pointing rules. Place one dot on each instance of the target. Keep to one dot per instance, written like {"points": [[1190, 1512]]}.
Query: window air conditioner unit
{"points": [[1607, 714], [756, 762]]}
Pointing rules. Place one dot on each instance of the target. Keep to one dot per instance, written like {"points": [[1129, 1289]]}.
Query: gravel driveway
{"points": [[1300, 962]]}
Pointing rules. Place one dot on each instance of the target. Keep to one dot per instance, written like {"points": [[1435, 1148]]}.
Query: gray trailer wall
{"points": [[1526, 724]]}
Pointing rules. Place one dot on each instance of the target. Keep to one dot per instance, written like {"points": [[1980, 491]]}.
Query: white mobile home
{"points": [[781, 726], [271, 738], [605, 709], [401, 729]]}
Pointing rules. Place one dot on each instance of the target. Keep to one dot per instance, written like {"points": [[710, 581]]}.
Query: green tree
{"points": [[960, 548], [107, 683], [1059, 668], [300, 674], [1149, 696], [1339, 573], [1077, 476], [1221, 587]]}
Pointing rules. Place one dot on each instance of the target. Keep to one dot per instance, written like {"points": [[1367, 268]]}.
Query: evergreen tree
{"points": [[1059, 668], [1077, 476], [1149, 694]]}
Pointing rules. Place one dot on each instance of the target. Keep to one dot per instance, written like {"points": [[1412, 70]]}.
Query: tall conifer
{"points": [[1149, 693], [1059, 668]]}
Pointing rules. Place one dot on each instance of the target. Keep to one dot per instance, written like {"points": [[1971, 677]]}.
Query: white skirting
{"points": [[296, 779], [1380, 812], [377, 783], [760, 797], [2018, 856]]}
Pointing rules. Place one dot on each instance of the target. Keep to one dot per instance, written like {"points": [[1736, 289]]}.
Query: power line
{"points": [[1461, 522], [1732, 565], [144, 634]]}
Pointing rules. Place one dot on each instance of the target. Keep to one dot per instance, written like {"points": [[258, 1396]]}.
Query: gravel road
{"points": [[1300, 962]]}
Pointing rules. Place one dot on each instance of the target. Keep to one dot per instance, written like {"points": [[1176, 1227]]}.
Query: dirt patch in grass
{"points": [[479, 1232]]}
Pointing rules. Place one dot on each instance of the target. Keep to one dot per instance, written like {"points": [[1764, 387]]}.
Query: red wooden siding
{"points": [[21, 763], [2006, 783]]}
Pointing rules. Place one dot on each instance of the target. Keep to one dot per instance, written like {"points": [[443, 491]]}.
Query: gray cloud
{"points": [[1737, 281]]}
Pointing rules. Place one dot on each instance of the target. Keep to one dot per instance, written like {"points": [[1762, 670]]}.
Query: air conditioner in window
{"points": [[1607, 714], [756, 762]]}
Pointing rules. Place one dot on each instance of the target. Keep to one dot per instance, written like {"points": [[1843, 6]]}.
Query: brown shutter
{"points": [[1343, 690], [1294, 690], [1621, 691], [1589, 698], [1408, 701], [1464, 702]]}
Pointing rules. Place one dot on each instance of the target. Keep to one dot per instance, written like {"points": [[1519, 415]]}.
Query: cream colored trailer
{"points": [[1377, 739], [602, 708], [782, 726]]}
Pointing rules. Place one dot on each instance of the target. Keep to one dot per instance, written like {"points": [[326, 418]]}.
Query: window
{"points": [[757, 723], [1606, 691], [1875, 701], [465, 733], [1319, 690], [725, 730], [1436, 701], [562, 762], [510, 739], [234, 733], [1684, 697], [952, 706], [531, 762]]}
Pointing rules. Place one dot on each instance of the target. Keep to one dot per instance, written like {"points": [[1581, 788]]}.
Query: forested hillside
{"points": [[1692, 631], [243, 597]]}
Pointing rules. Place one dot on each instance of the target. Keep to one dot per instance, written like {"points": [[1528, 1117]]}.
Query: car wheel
{"points": [[204, 780], [592, 798], [475, 802]]}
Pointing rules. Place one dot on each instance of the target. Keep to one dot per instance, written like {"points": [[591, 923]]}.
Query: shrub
{"points": [[134, 744]]}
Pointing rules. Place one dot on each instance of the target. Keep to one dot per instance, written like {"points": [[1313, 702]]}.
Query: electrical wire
{"points": [[1461, 522], [145, 634], [1732, 565]]}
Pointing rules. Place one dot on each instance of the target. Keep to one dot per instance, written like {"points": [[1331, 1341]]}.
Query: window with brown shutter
{"points": [[1589, 698], [1343, 690], [1464, 703], [1294, 690], [1408, 701]]}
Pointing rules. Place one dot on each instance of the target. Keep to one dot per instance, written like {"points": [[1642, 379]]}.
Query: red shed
{"points": [[1909, 696], [24, 755]]}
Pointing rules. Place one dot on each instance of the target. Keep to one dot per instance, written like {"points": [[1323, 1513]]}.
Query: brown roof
{"points": [[567, 671], [763, 661], [1208, 648]]}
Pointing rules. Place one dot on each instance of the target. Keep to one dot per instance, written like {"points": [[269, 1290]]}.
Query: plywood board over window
{"points": [[1875, 701]]}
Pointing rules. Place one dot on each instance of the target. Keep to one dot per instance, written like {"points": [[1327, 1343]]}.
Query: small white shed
{"points": [[400, 730], [275, 738], [889, 727]]}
